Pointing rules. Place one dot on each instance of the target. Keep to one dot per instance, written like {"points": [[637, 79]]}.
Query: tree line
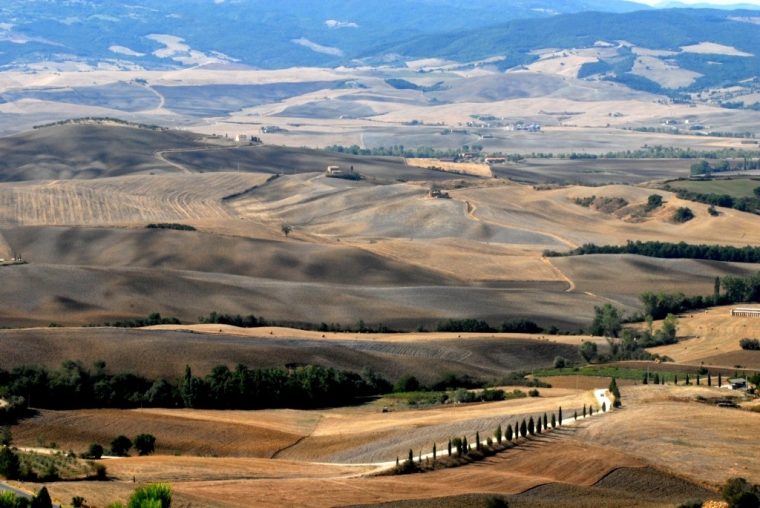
{"points": [[734, 290], [681, 250], [73, 386], [743, 204]]}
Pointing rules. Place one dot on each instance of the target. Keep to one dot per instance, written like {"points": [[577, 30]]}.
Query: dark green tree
{"points": [[42, 499], [120, 446], [615, 391], [449, 447], [523, 429], [531, 427], [498, 434], [435, 454], [554, 421], [589, 351], [559, 418], [10, 465], [510, 434], [477, 440], [95, 451], [145, 444], [607, 321]]}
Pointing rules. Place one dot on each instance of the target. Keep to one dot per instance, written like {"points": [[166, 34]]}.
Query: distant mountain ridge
{"points": [[666, 30], [258, 33]]}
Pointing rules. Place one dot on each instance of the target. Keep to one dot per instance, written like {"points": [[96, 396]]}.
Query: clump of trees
{"points": [[681, 250], [739, 493], [153, 319], [171, 225], [682, 214], [74, 386], [750, 344], [479, 326]]}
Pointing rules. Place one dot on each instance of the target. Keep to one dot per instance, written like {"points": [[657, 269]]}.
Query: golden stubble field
{"points": [[661, 427]]}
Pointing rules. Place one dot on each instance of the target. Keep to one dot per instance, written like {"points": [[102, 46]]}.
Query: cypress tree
{"points": [[697, 379], [498, 434], [531, 427], [449, 447], [538, 426], [523, 429], [560, 416], [396, 460], [645, 379], [554, 421], [675, 379], [720, 379], [709, 379], [435, 455], [687, 380], [656, 378], [584, 410], [509, 432], [615, 392], [465, 446], [477, 440], [545, 422], [410, 458], [604, 407], [575, 415]]}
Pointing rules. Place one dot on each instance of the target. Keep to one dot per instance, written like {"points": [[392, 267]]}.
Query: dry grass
{"points": [[461, 168], [712, 337], [663, 425]]}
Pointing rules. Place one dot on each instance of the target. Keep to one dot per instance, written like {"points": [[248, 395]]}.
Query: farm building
{"points": [[745, 312]]}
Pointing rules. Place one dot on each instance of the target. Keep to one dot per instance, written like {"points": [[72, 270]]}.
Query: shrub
{"points": [[534, 393], [406, 384], [101, 473], [750, 344], [683, 214], [560, 362], [653, 201], [11, 500], [10, 466], [158, 495], [77, 501]]}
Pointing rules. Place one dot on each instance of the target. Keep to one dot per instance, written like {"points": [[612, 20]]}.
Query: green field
{"points": [[608, 371], [738, 188]]}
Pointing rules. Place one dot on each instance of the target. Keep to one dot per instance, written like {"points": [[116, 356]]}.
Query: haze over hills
{"points": [[258, 33]]}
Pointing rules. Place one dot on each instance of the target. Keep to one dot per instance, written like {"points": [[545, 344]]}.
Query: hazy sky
{"points": [[724, 2]]}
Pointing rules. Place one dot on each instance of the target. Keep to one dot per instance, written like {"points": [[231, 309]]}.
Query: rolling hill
{"points": [[663, 30]]}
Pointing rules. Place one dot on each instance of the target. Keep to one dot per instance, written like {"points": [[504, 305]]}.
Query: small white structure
{"points": [[738, 383], [334, 171], [745, 312], [242, 138]]}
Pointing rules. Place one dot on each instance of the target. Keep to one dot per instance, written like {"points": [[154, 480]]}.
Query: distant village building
{"points": [[438, 194], [745, 312]]}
